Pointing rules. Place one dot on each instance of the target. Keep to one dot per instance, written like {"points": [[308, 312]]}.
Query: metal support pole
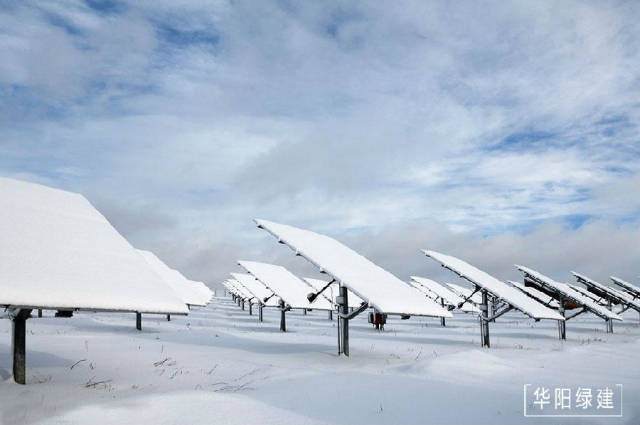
{"points": [[250, 309], [330, 315], [18, 343], [139, 321], [494, 304], [304, 311], [484, 323], [168, 317], [442, 322], [242, 304], [39, 312], [339, 333], [609, 321], [562, 325], [259, 312], [344, 323], [283, 320]]}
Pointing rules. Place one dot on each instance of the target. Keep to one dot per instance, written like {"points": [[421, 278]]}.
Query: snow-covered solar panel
{"points": [[332, 291], [185, 289], [424, 291], [617, 296], [499, 289], [381, 289], [204, 290], [535, 294], [254, 286], [628, 287], [229, 287], [569, 293], [625, 295], [594, 297], [465, 292], [290, 288], [58, 252], [435, 291], [240, 290], [244, 292]]}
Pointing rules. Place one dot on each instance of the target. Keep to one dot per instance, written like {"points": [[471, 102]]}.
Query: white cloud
{"points": [[479, 119]]}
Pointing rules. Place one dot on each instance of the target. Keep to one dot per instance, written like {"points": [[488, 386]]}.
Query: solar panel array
{"points": [[619, 297], [628, 287], [370, 282], [237, 289], [257, 289], [285, 284], [570, 293], [501, 290]]}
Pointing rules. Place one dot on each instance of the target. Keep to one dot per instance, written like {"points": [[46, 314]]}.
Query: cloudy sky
{"points": [[500, 132]]}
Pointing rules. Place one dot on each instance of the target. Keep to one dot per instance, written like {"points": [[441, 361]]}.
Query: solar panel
{"points": [[464, 292], [382, 290], [244, 292], [186, 290], [290, 288], [59, 252], [539, 296], [332, 291], [238, 290], [570, 293], [254, 286], [628, 287], [241, 291], [436, 291], [499, 289], [614, 295], [205, 293], [583, 291], [204, 290], [229, 287]]}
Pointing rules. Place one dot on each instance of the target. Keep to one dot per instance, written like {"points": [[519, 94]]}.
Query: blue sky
{"points": [[501, 132]]}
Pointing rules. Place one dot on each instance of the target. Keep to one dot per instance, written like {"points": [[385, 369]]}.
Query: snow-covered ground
{"points": [[219, 365]]}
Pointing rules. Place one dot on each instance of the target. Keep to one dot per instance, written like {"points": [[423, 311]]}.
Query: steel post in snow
{"points": [[259, 312], [609, 321], [283, 317], [344, 323], [330, 315], [484, 322], [562, 325], [442, 322], [18, 344], [139, 321]]}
